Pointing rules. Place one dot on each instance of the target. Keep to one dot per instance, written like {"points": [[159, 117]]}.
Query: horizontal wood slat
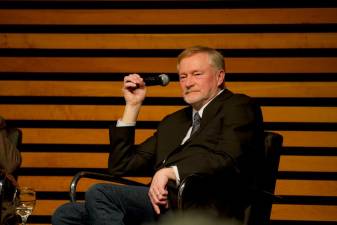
{"points": [[62, 183], [283, 187], [304, 212], [169, 41], [47, 207], [100, 160], [100, 136], [309, 138], [308, 163], [64, 160], [306, 187], [166, 65], [114, 89], [74, 136], [154, 113], [80, 112], [169, 16], [299, 114]]}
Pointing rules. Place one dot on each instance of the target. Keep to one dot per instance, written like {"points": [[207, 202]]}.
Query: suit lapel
{"points": [[212, 110], [177, 132], [181, 129], [185, 121]]}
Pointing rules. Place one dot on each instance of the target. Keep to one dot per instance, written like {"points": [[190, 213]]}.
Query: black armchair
{"points": [[258, 213]]}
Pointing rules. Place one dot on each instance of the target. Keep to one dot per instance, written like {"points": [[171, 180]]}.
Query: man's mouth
{"points": [[190, 91]]}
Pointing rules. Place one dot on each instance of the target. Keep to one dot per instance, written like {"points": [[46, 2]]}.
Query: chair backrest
{"points": [[261, 209], [273, 147]]}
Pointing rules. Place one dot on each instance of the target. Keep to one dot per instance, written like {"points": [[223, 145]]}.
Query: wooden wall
{"points": [[62, 62]]}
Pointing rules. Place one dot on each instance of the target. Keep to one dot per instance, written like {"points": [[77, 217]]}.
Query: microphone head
{"points": [[165, 79]]}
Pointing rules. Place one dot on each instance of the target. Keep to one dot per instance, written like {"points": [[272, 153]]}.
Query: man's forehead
{"points": [[191, 64]]}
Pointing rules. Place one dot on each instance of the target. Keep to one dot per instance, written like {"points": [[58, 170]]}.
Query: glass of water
{"points": [[24, 202]]}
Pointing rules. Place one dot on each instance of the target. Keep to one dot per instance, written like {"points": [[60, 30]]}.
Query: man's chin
{"points": [[191, 101]]}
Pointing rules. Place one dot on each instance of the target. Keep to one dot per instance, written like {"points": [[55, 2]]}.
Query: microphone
{"points": [[161, 79]]}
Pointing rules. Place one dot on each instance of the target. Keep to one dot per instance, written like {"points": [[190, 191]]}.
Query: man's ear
{"points": [[221, 77]]}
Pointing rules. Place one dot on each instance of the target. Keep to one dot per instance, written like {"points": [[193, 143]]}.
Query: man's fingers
{"points": [[132, 81], [158, 198], [158, 192], [130, 85], [154, 204], [156, 208]]}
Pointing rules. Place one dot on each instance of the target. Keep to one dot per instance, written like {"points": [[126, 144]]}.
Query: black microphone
{"points": [[161, 79]]}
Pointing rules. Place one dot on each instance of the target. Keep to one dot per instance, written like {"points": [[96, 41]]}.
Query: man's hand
{"points": [[158, 189], [134, 94], [134, 89]]}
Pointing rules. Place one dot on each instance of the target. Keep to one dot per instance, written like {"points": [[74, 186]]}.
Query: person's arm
{"points": [[124, 157]]}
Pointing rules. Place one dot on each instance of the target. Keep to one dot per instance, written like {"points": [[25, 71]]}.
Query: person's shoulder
{"points": [[241, 98]]}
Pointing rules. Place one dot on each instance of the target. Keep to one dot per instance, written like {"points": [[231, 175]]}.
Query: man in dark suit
{"points": [[224, 141]]}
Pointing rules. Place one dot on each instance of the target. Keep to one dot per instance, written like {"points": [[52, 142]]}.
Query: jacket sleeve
{"points": [[125, 157]]}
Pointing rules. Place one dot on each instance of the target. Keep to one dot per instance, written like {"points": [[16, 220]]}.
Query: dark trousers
{"points": [[108, 204]]}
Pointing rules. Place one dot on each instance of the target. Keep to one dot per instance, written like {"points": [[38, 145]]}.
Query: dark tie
{"points": [[196, 123]]}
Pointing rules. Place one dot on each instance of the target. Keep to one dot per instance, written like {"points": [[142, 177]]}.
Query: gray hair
{"points": [[215, 57]]}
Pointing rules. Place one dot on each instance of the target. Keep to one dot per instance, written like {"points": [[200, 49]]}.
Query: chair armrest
{"points": [[186, 184], [204, 186], [97, 176]]}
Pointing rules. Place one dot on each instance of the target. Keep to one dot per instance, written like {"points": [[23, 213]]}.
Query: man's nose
{"points": [[189, 81]]}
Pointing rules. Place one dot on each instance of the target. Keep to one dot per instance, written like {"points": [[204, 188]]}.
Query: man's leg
{"points": [[108, 204], [70, 214]]}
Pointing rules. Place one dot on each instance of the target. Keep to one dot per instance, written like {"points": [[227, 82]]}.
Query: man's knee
{"points": [[60, 214], [69, 214], [100, 193], [94, 192]]}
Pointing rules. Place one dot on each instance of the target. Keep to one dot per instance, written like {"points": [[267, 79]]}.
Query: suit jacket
{"points": [[230, 138]]}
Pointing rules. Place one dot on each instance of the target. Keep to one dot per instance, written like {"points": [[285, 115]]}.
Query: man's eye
{"points": [[182, 77]]}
